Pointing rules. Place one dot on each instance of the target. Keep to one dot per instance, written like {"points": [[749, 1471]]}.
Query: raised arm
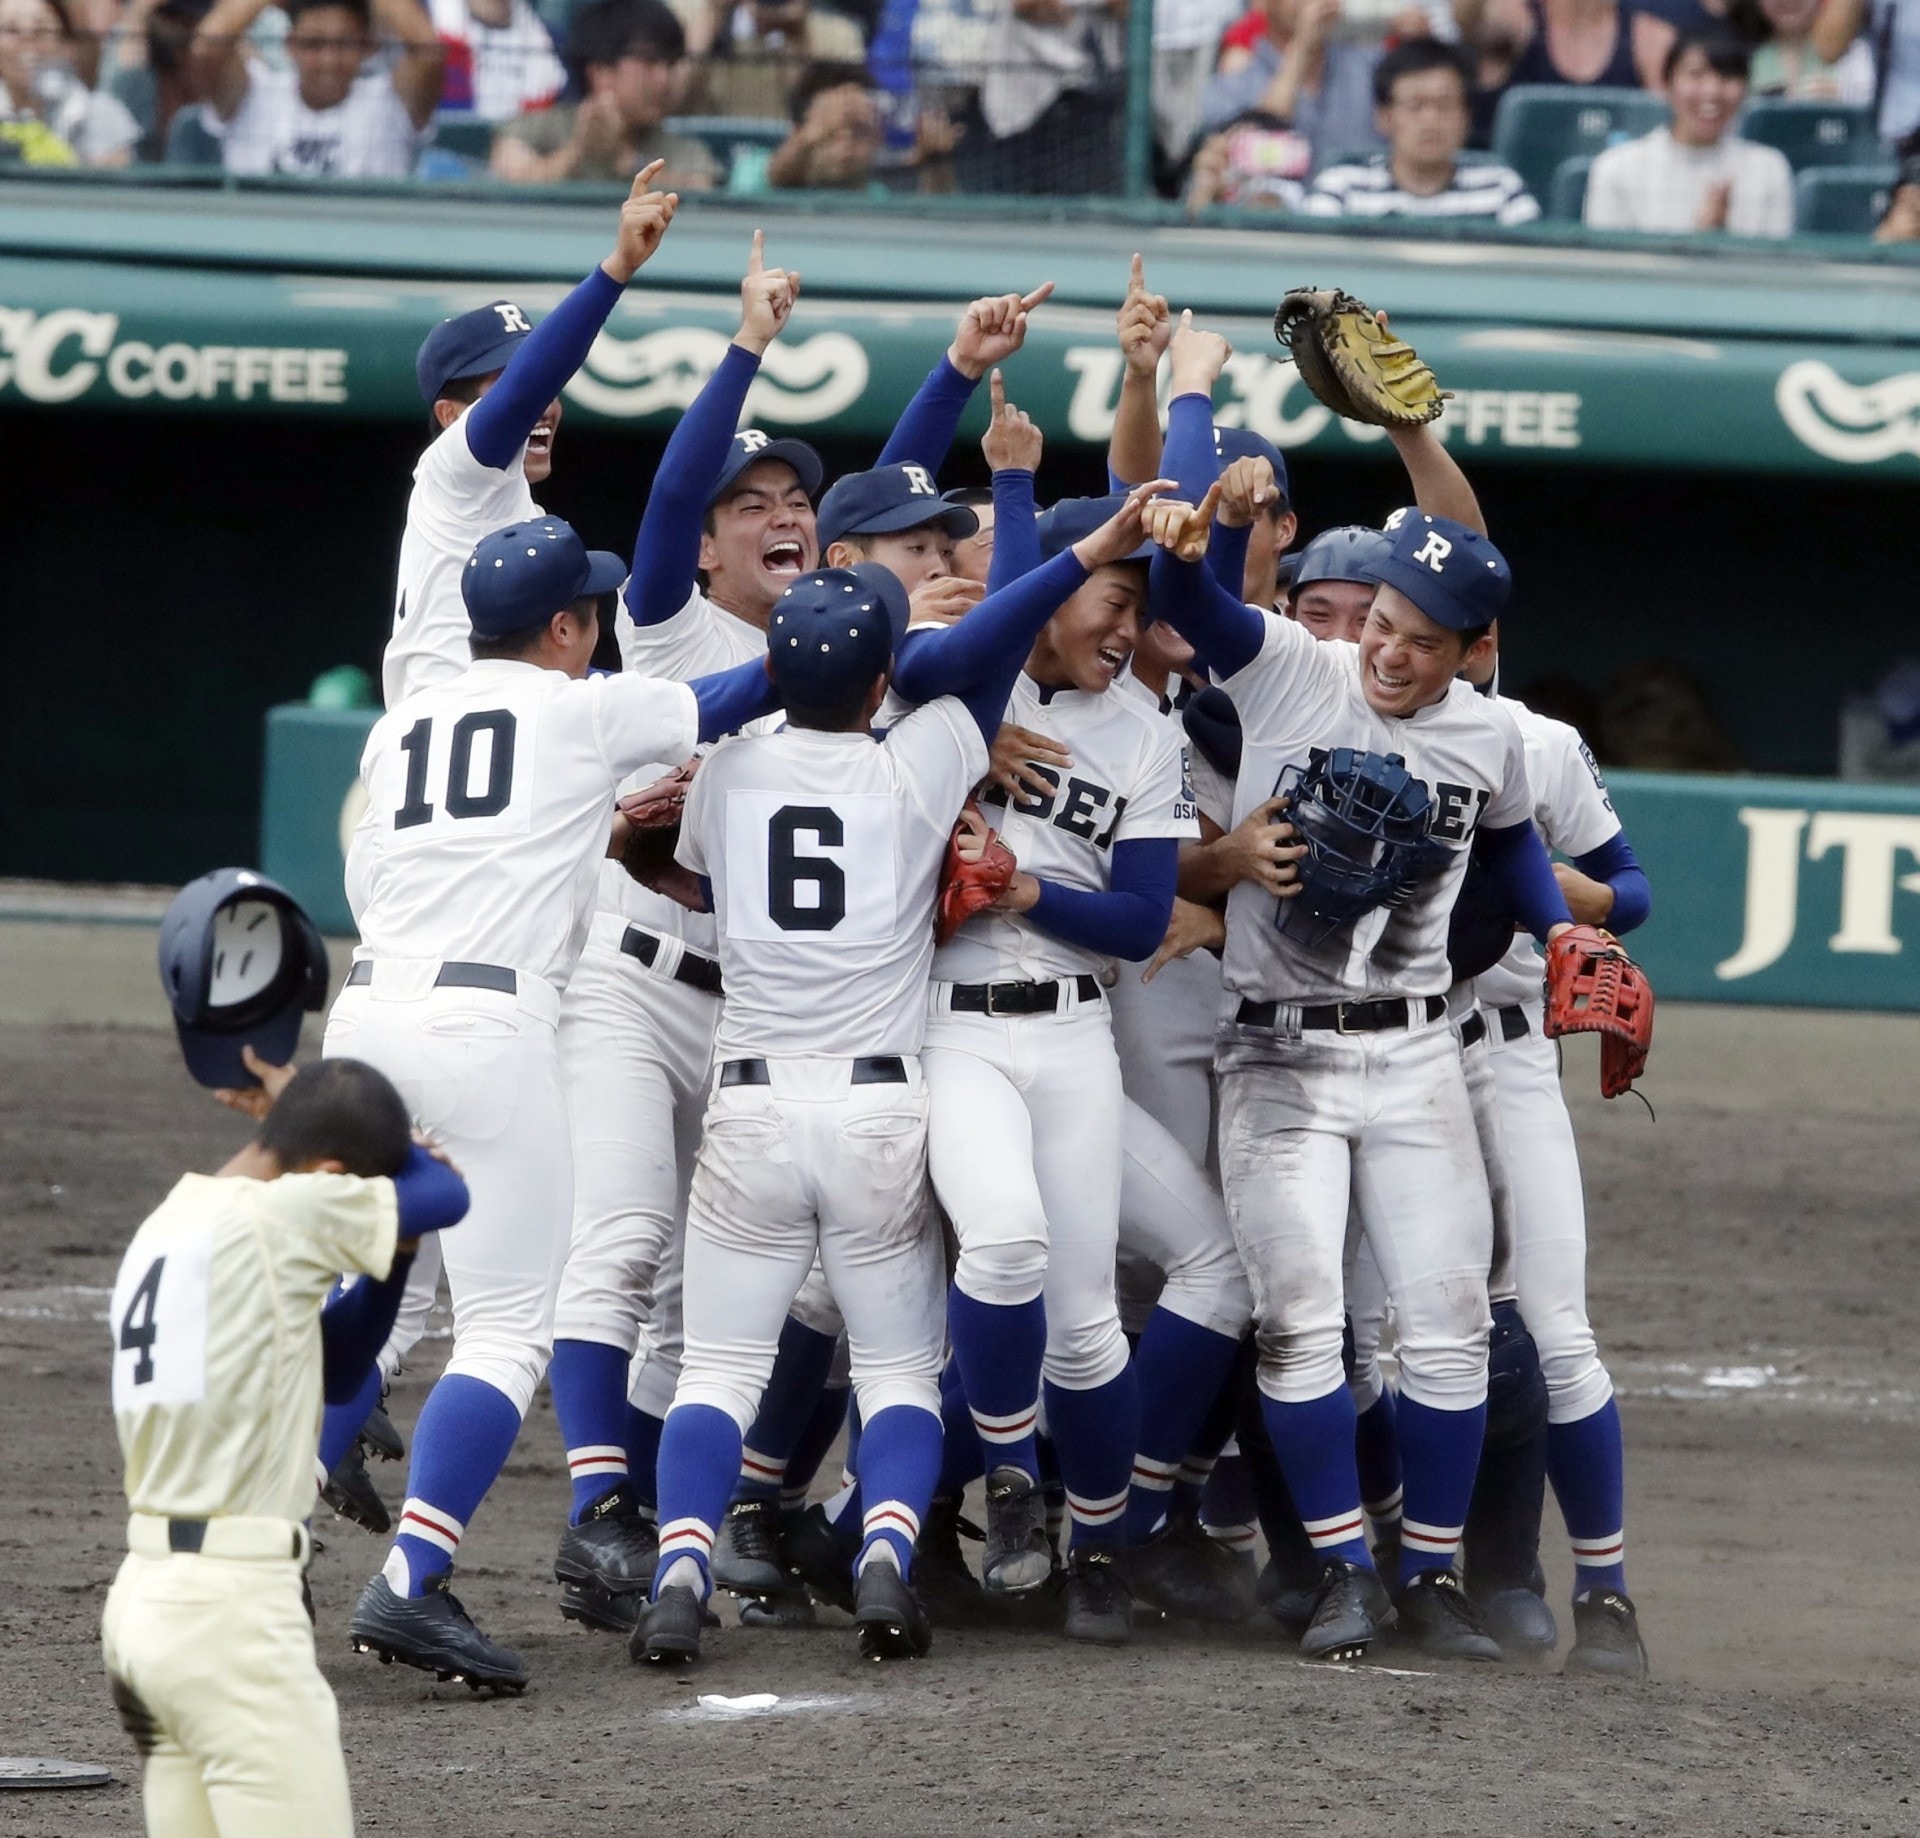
{"points": [[1440, 488], [219, 54], [1012, 449], [1192, 458], [991, 330], [666, 554], [1835, 27], [1225, 631], [1144, 327], [417, 69], [498, 424]]}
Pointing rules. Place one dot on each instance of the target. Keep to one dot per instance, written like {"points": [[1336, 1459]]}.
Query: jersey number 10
{"points": [[462, 799]]}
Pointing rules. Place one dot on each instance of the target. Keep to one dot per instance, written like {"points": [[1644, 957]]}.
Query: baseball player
{"points": [[755, 529], [823, 852], [221, 1351], [1338, 1075], [492, 382], [729, 524], [471, 878], [1020, 1052]]}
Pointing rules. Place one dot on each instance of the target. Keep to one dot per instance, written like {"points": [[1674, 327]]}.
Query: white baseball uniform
{"points": [[824, 852], [1312, 1116], [1574, 815], [473, 877], [1040, 1214], [216, 1395]]}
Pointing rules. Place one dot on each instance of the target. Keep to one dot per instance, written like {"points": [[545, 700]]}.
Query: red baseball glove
{"points": [[651, 817], [1594, 987], [977, 869]]}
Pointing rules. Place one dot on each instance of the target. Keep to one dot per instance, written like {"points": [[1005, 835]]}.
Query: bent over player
{"points": [[472, 878], [221, 1351]]}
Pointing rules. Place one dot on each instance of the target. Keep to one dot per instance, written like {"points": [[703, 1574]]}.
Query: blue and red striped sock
{"points": [[800, 1369], [1376, 1445], [1586, 1462], [899, 1463], [588, 1380], [999, 1348], [1439, 1456], [699, 1464], [1313, 1443], [465, 1434], [1180, 1368], [1095, 1435]]}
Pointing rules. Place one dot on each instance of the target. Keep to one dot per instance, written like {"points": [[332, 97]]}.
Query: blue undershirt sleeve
{"points": [[1221, 627], [1190, 457], [926, 429], [1615, 863], [499, 423], [1016, 535], [1518, 860], [666, 554], [1130, 919], [731, 698], [1227, 555]]}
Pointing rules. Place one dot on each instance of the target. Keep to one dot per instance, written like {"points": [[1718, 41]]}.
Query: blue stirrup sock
{"points": [[588, 1380], [1586, 1463], [465, 1433]]}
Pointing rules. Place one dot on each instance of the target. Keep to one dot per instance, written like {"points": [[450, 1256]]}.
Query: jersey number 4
{"points": [[462, 797], [159, 1317], [138, 1329]]}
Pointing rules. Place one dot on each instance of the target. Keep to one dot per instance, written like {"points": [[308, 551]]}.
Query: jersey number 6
{"points": [[788, 870]]}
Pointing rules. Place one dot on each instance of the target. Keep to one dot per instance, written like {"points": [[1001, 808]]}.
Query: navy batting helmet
{"points": [[240, 963], [1350, 552], [1364, 820]]}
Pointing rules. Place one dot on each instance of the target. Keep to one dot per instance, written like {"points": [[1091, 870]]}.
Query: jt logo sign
{"points": [[1870, 845]]}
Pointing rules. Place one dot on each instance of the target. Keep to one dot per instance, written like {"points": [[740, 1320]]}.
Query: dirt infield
{"points": [[1755, 1273]]}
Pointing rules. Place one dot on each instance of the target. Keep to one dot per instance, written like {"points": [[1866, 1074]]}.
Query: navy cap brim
{"points": [[605, 572], [795, 453], [1427, 593], [213, 1058], [957, 520], [493, 358]]}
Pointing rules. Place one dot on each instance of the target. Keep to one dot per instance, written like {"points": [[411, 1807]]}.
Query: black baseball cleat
{"points": [[1018, 1557], [434, 1633], [668, 1631], [747, 1559], [1353, 1611], [1606, 1637], [794, 1609], [1172, 1574], [891, 1620], [1440, 1618], [379, 1438], [1099, 1607], [1289, 1599], [605, 1563], [821, 1555], [1519, 1619], [350, 1491], [942, 1579]]}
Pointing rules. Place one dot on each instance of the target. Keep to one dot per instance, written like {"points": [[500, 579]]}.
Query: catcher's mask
{"points": [[1363, 818], [240, 963]]}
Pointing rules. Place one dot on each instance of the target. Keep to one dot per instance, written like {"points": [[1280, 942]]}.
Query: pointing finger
{"points": [[643, 179], [1043, 292], [757, 255], [997, 390], [1137, 277]]}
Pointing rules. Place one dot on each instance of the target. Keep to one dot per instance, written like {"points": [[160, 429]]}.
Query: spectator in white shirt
{"points": [[1695, 174], [1420, 93], [334, 114], [500, 58]]}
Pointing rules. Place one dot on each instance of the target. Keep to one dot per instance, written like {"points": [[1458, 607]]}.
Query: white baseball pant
{"points": [[813, 1163], [1173, 1221], [1550, 1217], [1025, 1148], [479, 1071], [1308, 1120], [636, 1050]]}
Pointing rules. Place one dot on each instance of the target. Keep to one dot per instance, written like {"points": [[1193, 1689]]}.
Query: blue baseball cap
{"points": [[475, 344], [887, 500], [524, 574], [1066, 523], [1451, 573], [751, 446], [831, 633], [1243, 443], [1351, 552], [240, 963]]}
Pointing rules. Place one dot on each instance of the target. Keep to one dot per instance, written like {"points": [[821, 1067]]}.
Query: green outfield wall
{"points": [[1787, 891]]}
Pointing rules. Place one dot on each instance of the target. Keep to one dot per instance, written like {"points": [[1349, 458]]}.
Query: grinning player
{"points": [[1020, 1052], [492, 383], [729, 525], [471, 877], [221, 1353], [1338, 1074], [823, 851]]}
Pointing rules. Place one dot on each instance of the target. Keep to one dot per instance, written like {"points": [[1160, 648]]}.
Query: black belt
{"points": [[452, 976], [1343, 1017], [1017, 998], [188, 1535], [875, 1069], [1473, 1030], [693, 969], [1513, 1022]]}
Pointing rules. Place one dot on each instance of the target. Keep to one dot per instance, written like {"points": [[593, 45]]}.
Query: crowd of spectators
{"points": [[1320, 108]]}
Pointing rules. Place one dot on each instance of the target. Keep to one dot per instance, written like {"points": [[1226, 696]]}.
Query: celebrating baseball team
{"points": [[1018, 988]]}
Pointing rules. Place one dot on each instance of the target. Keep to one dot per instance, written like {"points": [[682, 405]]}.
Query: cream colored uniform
{"points": [[473, 879], [217, 1398]]}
